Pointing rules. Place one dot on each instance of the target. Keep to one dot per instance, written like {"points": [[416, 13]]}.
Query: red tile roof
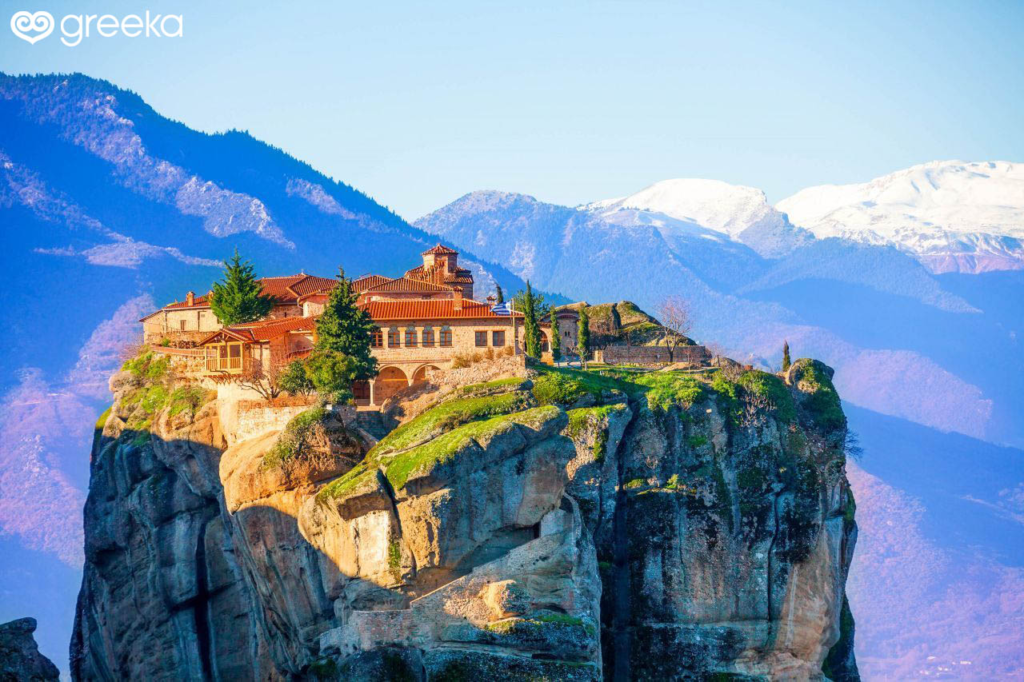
{"points": [[440, 250], [407, 285], [265, 330], [367, 281], [434, 309], [284, 290]]}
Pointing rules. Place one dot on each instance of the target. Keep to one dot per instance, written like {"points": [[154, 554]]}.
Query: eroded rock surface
{"points": [[20, 660], [565, 525]]}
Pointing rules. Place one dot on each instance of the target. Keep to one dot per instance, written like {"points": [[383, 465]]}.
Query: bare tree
{"points": [[676, 318], [264, 378]]}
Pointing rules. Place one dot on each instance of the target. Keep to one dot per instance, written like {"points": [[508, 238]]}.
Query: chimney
{"points": [[457, 305], [492, 300], [190, 298]]}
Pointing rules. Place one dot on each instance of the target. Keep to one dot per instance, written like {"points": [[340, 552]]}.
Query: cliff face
{"points": [[560, 525]]}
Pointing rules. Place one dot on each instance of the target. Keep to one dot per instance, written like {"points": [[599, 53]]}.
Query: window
{"points": [[446, 337], [182, 323], [427, 337], [497, 339], [410, 336], [481, 339], [377, 338], [235, 356], [394, 339]]}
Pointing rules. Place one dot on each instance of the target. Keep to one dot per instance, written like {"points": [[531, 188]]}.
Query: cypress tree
{"points": [[583, 336], [239, 297], [785, 356], [345, 328], [531, 328], [500, 294], [556, 338]]}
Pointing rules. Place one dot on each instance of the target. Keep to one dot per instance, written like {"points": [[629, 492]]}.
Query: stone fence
{"points": [[696, 356]]}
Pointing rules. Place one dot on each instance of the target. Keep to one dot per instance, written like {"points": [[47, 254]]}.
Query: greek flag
{"points": [[501, 309]]}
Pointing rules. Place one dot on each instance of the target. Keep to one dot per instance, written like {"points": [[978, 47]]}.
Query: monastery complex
{"points": [[423, 319]]}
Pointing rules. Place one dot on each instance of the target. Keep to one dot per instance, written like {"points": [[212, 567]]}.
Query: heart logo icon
{"points": [[39, 22]]}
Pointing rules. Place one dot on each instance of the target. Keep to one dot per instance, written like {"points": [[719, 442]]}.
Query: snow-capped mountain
{"points": [[681, 207], [951, 215]]}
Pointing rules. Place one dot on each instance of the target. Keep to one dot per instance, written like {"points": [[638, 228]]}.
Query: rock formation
{"points": [[547, 525], [20, 660]]}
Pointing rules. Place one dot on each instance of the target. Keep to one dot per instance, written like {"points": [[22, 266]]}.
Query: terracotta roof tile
{"points": [[440, 250], [407, 284], [363, 283], [434, 309], [265, 330], [312, 285]]}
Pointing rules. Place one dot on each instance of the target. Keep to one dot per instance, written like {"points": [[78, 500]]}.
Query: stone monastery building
{"points": [[423, 320]]}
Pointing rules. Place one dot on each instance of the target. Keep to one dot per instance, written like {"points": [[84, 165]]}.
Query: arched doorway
{"points": [[420, 375], [389, 381]]}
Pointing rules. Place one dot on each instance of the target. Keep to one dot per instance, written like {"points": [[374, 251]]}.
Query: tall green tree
{"points": [[583, 337], [785, 356], [526, 303], [500, 293], [556, 338], [345, 328], [239, 296]]}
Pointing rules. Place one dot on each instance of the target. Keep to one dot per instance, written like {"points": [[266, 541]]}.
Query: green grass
{"points": [[583, 419], [449, 415], [102, 421], [635, 483], [665, 389], [446, 447], [187, 399], [147, 366], [564, 386], [353, 479], [395, 559], [473, 389], [697, 441], [823, 403], [772, 389], [293, 437]]}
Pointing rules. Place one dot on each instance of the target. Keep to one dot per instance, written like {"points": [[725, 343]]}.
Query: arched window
{"points": [[446, 337], [410, 336], [377, 338], [427, 337], [394, 338]]}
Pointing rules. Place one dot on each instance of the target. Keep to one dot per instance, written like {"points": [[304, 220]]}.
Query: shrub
{"points": [[332, 374], [823, 403], [293, 437], [295, 380], [186, 399], [772, 391]]}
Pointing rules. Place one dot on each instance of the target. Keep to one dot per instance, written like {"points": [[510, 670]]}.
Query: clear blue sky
{"points": [[418, 103]]}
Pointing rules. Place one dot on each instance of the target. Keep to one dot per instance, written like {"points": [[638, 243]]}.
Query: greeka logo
{"points": [[40, 22], [34, 26]]}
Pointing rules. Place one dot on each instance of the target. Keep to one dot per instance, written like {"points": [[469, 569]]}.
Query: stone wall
{"points": [[653, 355]]}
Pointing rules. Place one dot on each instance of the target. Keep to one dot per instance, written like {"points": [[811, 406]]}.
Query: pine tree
{"points": [[531, 328], [785, 356], [239, 297], [583, 336], [500, 294], [556, 338], [345, 328]]}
